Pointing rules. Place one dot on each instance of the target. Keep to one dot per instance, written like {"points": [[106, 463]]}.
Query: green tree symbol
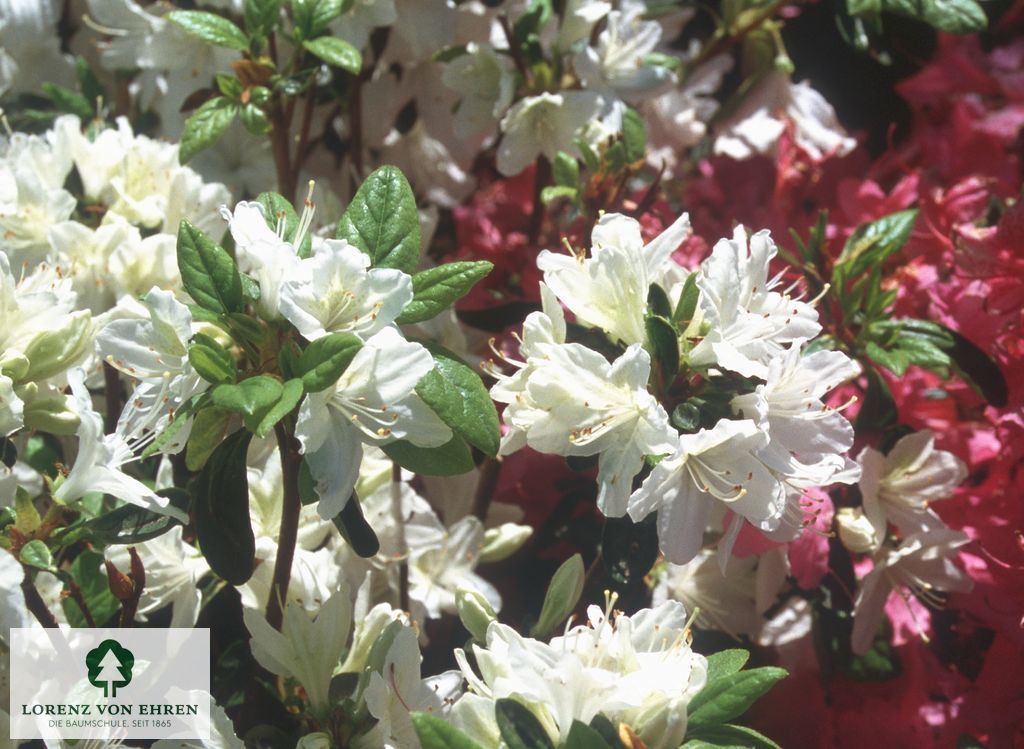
{"points": [[110, 666]]}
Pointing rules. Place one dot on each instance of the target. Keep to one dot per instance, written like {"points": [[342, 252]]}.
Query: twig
{"points": [[541, 177], [75, 594], [403, 549], [35, 603], [290, 510], [486, 483], [300, 149], [112, 397]]}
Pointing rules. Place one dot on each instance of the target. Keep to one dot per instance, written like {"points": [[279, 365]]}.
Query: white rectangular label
{"points": [[110, 684]]}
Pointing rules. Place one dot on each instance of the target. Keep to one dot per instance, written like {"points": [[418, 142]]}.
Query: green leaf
{"points": [[728, 697], [979, 368], [863, 7], [88, 573], [353, 527], [455, 392], [728, 735], [450, 459], [589, 157], [326, 359], [205, 126], [566, 170], [275, 209], [582, 736], [634, 135], [629, 549], [688, 299], [223, 528], [436, 733], [210, 28], [561, 598], [661, 337], [436, 289], [878, 411], [872, 243], [336, 52], [551, 193], [128, 524], [208, 430], [37, 554], [261, 16], [313, 16], [893, 360], [954, 16], [605, 729], [658, 302], [213, 362], [89, 84], [208, 272], [291, 394], [66, 100], [254, 119], [519, 727], [382, 221], [726, 662]]}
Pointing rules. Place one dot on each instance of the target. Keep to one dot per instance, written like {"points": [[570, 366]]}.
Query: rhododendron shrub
{"points": [[523, 374]]}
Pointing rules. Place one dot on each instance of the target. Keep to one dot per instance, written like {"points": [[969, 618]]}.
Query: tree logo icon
{"points": [[110, 666]]}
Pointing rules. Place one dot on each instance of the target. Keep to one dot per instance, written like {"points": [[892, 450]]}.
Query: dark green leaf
{"points": [[872, 243], [210, 28], [205, 126], [686, 417], [634, 135], [8, 452], [88, 573], [954, 16], [894, 360], [208, 272], [382, 220], [605, 729], [582, 736], [208, 430], [66, 100], [353, 527], [658, 302], [661, 338], [450, 459], [326, 359], [262, 15], [213, 362], [254, 119], [436, 733], [436, 289], [979, 368], [455, 392], [728, 697], [223, 528], [128, 524], [726, 662], [879, 409], [563, 594], [863, 7], [728, 735], [629, 549], [336, 52], [90, 85], [520, 728]]}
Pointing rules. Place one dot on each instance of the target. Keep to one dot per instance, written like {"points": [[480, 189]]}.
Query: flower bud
{"points": [[51, 415], [504, 541], [318, 740], [475, 612], [856, 531], [14, 364], [119, 583], [53, 351]]}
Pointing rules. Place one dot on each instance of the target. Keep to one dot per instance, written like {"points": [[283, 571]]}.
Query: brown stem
{"points": [[35, 603], [279, 135], [300, 149], [485, 486], [541, 177], [355, 141], [112, 396], [403, 550], [286, 540], [76, 595], [130, 605]]}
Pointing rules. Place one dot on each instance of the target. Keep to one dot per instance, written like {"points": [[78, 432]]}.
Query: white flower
{"points": [[616, 66], [486, 82], [173, 570], [12, 408], [713, 465], [543, 125], [30, 53], [635, 669], [898, 487], [758, 123], [85, 255], [579, 19], [308, 648], [374, 401], [573, 402], [721, 601], [609, 289], [749, 321], [921, 563], [335, 290], [154, 353], [100, 457]]}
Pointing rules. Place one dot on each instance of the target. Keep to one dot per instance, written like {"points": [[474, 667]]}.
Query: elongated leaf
{"points": [[353, 527], [205, 126], [871, 243], [180, 419], [979, 368], [728, 697], [208, 272], [435, 733], [629, 549], [213, 362], [208, 430], [687, 300], [450, 459], [566, 170], [561, 598], [222, 520], [520, 728], [382, 220], [436, 289], [66, 100], [210, 28], [661, 338], [731, 736], [582, 736], [634, 135], [457, 394], [336, 52], [726, 662], [954, 16], [658, 302], [326, 359]]}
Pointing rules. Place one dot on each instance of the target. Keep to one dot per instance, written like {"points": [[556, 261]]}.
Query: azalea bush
{"points": [[573, 374]]}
